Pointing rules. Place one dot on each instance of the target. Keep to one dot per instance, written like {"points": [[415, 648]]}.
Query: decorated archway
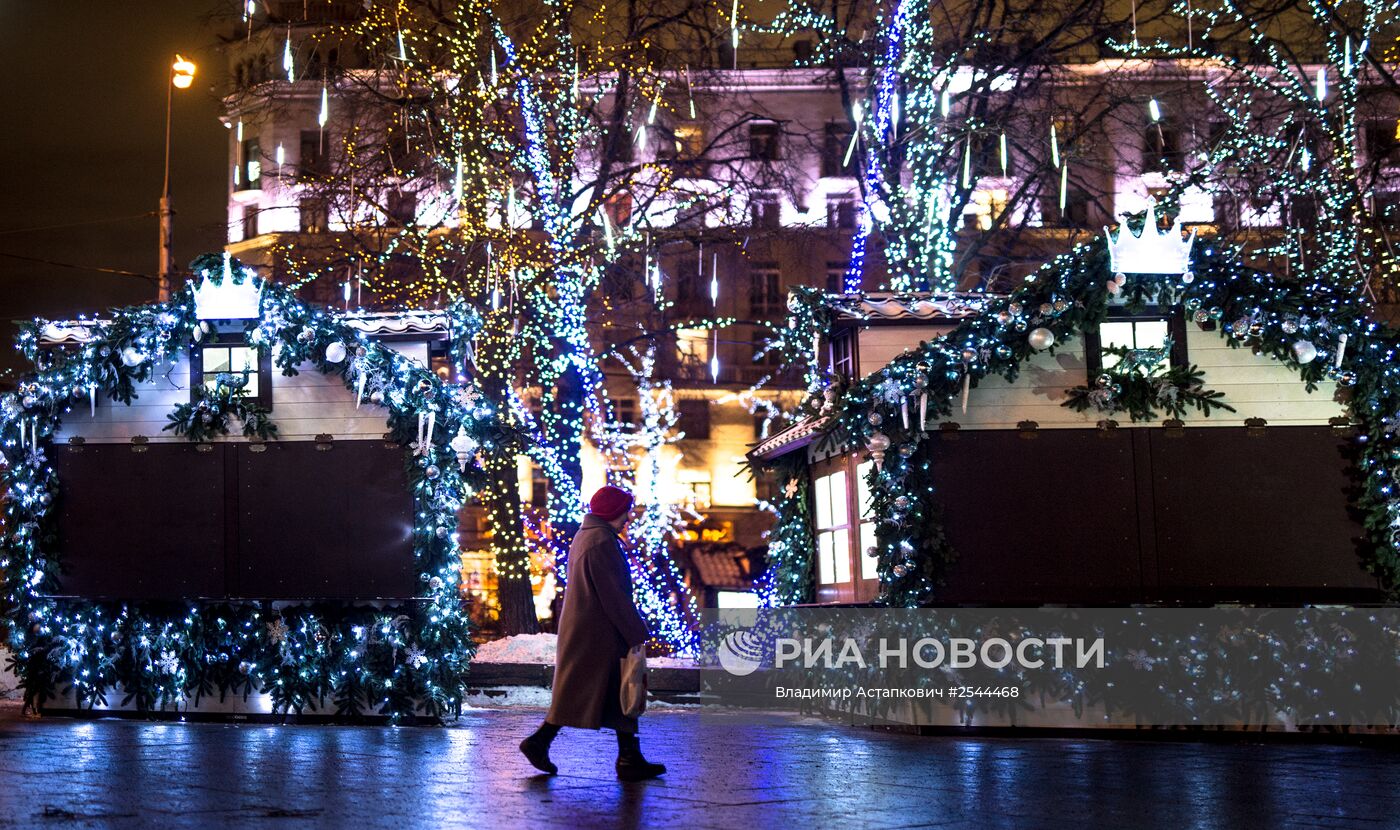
{"points": [[395, 659], [1321, 331]]}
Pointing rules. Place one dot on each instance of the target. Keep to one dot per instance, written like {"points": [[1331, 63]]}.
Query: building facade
{"points": [[765, 147]]}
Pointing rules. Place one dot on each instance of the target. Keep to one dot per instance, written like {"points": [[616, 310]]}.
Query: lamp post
{"points": [[181, 76]]}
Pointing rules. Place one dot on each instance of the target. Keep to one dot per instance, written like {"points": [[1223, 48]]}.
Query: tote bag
{"points": [[634, 682]]}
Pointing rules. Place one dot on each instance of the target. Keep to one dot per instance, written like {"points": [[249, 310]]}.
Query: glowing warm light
{"points": [[183, 72]]}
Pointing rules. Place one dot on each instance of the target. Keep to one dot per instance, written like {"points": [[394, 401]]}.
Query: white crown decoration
{"points": [[1154, 251], [232, 297]]}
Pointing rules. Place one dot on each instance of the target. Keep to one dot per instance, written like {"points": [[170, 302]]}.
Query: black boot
{"points": [[631, 766], [536, 748]]}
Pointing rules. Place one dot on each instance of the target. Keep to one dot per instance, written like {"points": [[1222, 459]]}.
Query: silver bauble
{"points": [[1040, 338], [335, 352], [1304, 352]]}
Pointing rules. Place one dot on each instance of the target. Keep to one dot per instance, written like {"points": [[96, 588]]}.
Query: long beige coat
{"points": [[597, 626]]}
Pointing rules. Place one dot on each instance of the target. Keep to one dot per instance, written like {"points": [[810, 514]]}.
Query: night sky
{"points": [[83, 145]]}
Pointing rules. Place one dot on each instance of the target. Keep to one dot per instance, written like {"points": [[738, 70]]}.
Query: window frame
{"points": [[833, 529], [226, 340], [765, 140], [1174, 316], [694, 418], [836, 137], [250, 153], [251, 221], [767, 300]]}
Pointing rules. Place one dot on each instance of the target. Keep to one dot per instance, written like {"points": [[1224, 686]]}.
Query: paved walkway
{"points": [[724, 773]]}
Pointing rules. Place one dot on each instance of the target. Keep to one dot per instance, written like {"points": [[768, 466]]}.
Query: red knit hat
{"points": [[610, 502]]}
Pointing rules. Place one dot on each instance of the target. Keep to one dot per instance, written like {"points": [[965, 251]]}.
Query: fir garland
{"points": [[1125, 388], [395, 660], [208, 415], [787, 579]]}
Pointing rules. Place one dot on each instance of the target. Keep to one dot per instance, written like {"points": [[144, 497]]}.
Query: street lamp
{"points": [[181, 77]]}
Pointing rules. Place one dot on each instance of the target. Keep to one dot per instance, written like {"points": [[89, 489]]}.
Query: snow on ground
{"points": [[539, 649], [9, 684], [521, 648]]}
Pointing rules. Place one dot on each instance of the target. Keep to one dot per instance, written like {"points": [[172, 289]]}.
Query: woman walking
{"points": [[598, 625]]}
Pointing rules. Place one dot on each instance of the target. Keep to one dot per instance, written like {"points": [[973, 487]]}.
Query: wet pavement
{"points": [[725, 773]]}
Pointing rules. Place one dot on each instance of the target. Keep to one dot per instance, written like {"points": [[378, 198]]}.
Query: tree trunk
{"points": [[508, 541], [502, 500], [569, 405]]}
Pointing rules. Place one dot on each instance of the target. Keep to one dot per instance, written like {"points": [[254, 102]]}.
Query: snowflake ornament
{"points": [[277, 631], [168, 662]]}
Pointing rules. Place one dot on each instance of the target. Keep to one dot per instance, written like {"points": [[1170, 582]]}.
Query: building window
{"points": [[1387, 208], [763, 426], [1151, 329], [843, 358], [765, 141], [764, 210], [694, 419], [1383, 143], [869, 565], [1303, 211], [314, 218], [1225, 211], [250, 171], [986, 155], [232, 365], [250, 221], [835, 144], [1074, 213], [1161, 149], [619, 209], [766, 300], [766, 352], [697, 493], [841, 211], [833, 526], [692, 289], [627, 411], [693, 353], [402, 208], [624, 144], [836, 277], [686, 150], [312, 154]]}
